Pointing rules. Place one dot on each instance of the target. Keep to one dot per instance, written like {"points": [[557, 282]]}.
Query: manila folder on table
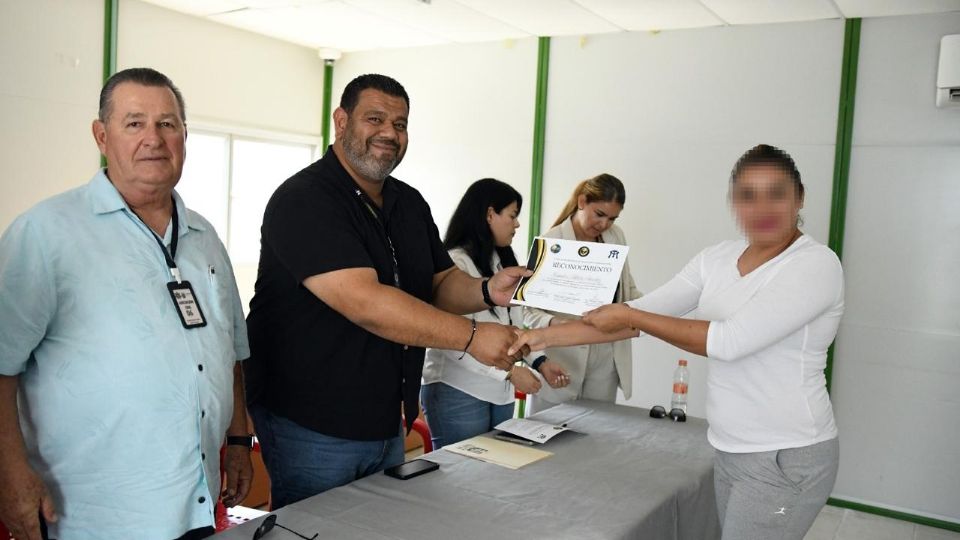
{"points": [[502, 453]]}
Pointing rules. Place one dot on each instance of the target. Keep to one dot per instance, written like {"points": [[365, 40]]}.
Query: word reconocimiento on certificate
{"points": [[571, 277], [581, 267]]}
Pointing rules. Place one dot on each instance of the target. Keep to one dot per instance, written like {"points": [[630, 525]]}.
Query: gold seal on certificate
{"points": [[570, 276]]}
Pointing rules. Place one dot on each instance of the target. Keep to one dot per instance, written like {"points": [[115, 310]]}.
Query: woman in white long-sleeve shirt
{"points": [[767, 309], [460, 396]]}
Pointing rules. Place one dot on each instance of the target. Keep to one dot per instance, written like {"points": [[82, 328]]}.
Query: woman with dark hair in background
{"points": [[768, 307], [596, 371], [460, 396]]}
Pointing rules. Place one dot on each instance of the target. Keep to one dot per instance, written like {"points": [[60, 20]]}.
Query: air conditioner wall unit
{"points": [[948, 74]]}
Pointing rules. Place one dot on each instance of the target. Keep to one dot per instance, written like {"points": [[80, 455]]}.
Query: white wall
{"points": [[53, 64], [896, 384], [669, 114], [51, 57], [225, 74], [471, 116]]}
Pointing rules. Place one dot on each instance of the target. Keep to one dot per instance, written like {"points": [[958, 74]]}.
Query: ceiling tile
{"points": [[260, 4], [199, 7], [447, 18], [771, 11], [544, 17], [330, 24], [653, 14], [351, 25], [881, 8]]}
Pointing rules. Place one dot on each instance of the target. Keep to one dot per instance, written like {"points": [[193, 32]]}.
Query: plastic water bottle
{"points": [[681, 376]]}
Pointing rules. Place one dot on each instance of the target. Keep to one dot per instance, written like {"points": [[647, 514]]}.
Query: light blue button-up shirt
{"points": [[119, 418]]}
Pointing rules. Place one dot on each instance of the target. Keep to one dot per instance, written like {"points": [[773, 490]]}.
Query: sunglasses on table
{"points": [[270, 522], [677, 415]]}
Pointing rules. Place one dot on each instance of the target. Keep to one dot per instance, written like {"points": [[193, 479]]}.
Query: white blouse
{"points": [[468, 375], [768, 337]]}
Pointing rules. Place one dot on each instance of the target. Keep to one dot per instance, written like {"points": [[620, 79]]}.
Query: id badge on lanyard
{"points": [[386, 234], [181, 292], [186, 303]]}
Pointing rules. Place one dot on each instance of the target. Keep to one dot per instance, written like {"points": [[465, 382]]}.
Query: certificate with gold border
{"points": [[570, 276]]}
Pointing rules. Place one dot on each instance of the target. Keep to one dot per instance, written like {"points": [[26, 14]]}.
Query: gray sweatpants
{"points": [[774, 495]]}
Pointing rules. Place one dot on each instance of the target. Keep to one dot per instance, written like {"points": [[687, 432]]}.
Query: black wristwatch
{"points": [[485, 289], [245, 441], [538, 362]]}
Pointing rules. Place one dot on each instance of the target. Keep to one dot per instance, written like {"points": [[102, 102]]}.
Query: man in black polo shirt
{"points": [[353, 283]]}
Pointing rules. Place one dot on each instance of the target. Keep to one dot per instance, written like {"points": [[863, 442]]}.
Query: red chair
{"points": [[4, 533], [522, 406], [424, 431]]}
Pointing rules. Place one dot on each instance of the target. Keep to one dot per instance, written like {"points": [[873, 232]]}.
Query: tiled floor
{"points": [[841, 524]]}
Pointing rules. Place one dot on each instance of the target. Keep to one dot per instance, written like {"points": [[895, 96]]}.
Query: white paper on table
{"points": [[532, 430], [571, 276], [504, 454]]}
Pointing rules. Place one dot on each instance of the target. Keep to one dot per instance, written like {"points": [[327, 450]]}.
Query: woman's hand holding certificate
{"points": [[609, 318]]}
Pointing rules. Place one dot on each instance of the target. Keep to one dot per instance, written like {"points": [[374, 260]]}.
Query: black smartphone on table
{"points": [[411, 469]]}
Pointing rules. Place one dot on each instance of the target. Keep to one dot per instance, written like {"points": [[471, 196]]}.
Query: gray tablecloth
{"points": [[621, 475]]}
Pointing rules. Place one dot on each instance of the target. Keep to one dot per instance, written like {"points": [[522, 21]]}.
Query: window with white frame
{"points": [[228, 179]]}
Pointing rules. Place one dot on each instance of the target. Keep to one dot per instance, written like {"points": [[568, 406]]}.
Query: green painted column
{"points": [[111, 9], [327, 94], [539, 133], [841, 161]]}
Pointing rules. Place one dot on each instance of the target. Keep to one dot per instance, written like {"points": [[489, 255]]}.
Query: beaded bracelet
{"points": [[473, 332]]}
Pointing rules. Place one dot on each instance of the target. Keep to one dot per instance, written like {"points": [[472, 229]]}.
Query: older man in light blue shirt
{"points": [[125, 396]]}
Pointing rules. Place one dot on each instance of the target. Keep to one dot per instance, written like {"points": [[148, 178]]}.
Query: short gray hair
{"points": [[141, 76]]}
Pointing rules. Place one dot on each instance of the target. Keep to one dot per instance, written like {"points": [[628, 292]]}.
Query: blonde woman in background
{"points": [[596, 371]]}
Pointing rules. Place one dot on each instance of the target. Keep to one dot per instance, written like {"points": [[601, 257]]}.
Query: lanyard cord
{"points": [[171, 255], [383, 226]]}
